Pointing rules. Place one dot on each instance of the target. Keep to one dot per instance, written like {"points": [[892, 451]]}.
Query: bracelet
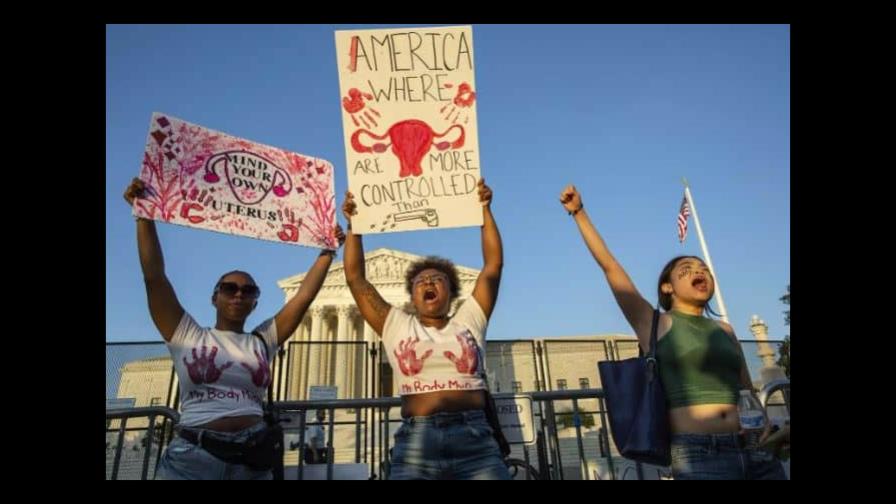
{"points": [[577, 210]]}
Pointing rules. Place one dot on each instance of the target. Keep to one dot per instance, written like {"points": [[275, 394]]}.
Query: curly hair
{"points": [[437, 263]]}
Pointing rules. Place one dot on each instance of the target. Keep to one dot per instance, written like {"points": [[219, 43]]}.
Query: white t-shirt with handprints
{"points": [[221, 373], [426, 359]]}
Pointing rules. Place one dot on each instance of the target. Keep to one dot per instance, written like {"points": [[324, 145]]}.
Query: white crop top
{"points": [[221, 373], [426, 359]]}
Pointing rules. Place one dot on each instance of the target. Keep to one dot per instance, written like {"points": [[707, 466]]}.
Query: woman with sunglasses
{"points": [[437, 358], [223, 370]]}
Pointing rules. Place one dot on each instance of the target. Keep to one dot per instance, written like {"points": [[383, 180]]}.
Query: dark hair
{"points": [[437, 263], [666, 277]]}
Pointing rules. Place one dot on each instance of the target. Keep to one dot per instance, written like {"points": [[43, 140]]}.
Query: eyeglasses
{"points": [[231, 288], [438, 277]]}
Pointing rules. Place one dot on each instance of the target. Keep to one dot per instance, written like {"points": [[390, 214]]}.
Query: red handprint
{"points": [[464, 99], [468, 363], [354, 103], [465, 95], [260, 377], [290, 231], [194, 200], [203, 369], [407, 359]]}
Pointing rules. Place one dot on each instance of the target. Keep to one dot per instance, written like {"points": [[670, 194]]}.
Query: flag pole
{"points": [[687, 192]]}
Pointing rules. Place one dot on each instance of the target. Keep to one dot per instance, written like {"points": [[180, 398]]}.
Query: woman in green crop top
{"points": [[701, 363]]}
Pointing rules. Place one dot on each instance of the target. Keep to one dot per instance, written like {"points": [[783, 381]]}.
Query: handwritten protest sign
{"points": [[409, 119], [206, 179]]}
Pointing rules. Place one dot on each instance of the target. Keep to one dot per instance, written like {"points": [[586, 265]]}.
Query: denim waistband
{"points": [[447, 418], [231, 437], [727, 439]]}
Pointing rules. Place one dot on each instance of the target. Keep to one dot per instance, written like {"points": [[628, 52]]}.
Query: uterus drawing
{"points": [[410, 141]]}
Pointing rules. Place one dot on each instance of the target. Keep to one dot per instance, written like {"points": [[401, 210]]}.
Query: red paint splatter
{"points": [[465, 96], [185, 212], [289, 233], [353, 55]]}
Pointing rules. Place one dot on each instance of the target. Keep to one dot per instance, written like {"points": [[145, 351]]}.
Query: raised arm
{"points": [[370, 303], [486, 289], [164, 308], [289, 317], [637, 310]]}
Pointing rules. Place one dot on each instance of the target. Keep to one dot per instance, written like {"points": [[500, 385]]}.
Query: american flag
{"points": [[683, 219]]}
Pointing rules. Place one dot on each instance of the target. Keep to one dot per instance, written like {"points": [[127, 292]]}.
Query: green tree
{"points": [[784, 351]]}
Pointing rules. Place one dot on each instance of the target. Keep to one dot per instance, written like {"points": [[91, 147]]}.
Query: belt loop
{"points": [[199, 438]]}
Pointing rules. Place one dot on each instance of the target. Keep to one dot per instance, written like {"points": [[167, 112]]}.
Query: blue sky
{"points": [[622, 111]]}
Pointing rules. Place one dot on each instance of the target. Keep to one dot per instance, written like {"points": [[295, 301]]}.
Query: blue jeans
{"points": [[457, 445], [184, 460], [721, 457]]}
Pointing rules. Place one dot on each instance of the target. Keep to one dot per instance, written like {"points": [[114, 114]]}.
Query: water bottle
{"points": [[752, 418]]}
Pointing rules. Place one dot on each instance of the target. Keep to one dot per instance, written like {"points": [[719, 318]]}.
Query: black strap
{"points": [[209, 442], [656, 317], [651, 352], [264, 344], [651, 368], [491, 415]]}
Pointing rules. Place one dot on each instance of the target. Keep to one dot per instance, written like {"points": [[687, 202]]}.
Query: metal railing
{"points": [[372, 421], [365, 424], [161, 436]]}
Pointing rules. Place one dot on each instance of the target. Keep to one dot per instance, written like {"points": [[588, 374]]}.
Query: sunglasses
{"points": [[231, 288]]}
